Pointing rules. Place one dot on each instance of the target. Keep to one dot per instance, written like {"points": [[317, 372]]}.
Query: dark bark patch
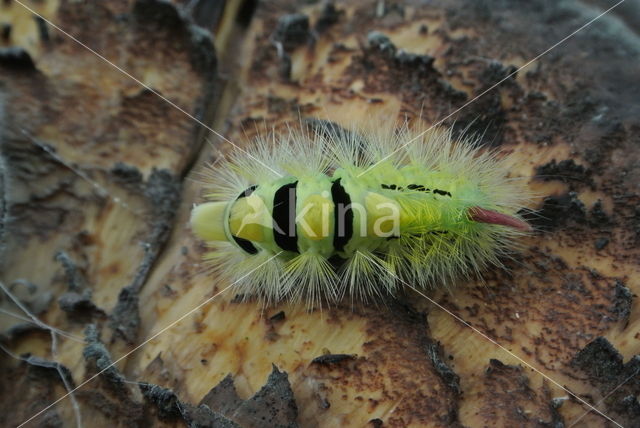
{"points": [[557, 210], [566, 170], [329, 16], [618, 382], [273, 405], [163, 192], [165, 400], [519, 404], [16, 58], [623, 302], [600, 360], [98, 356], [331, 359], [223, 397], [434, 352], [292, 30]]}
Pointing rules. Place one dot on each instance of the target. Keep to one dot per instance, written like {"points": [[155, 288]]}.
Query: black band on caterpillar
{"points": [[342, 216], [247, 192], [284, 217], [245, 244], [418, 187]]}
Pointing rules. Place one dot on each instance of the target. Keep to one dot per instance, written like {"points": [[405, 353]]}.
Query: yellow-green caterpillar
{"points": [[328, 212]]}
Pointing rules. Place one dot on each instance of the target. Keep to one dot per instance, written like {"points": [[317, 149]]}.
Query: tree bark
{"points": [[100, 168]]}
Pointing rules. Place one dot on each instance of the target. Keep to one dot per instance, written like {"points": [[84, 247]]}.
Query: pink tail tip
{"points": [[482, 215]]}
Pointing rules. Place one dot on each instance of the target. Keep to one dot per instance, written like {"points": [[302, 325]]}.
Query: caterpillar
{"points": [[319, 213]]}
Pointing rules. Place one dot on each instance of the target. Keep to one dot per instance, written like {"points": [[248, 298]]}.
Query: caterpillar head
{"points": [[207, 221], [246, 218]]}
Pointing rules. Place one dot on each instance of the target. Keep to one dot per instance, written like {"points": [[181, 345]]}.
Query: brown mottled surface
{"points": [[398, 368], [94, 170], [512, 401], [566, 305]]}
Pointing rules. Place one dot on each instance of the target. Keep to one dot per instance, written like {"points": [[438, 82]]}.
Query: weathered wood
{"points": [[565, 305]]}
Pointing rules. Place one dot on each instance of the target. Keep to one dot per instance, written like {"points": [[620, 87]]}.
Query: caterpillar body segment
{"points": [[350, 212]]}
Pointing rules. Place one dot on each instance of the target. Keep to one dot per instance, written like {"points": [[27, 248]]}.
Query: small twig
{"points": [[75, 279]]}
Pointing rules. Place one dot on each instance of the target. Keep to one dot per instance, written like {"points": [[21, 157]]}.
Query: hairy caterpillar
{"points": [[317, 214]]}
